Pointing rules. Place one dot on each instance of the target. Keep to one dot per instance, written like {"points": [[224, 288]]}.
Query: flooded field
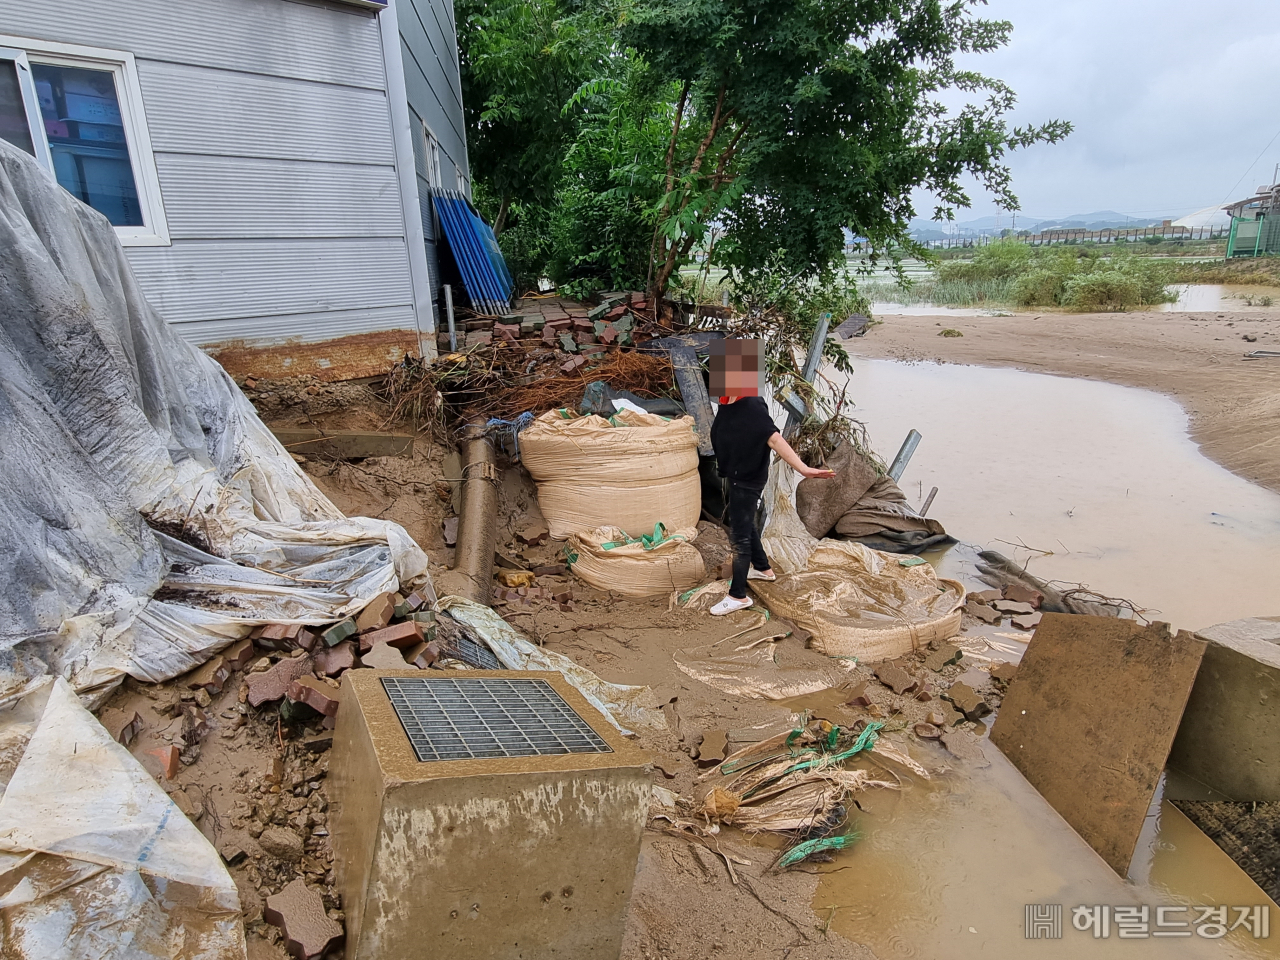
{"points": [[1102, 486], [1192, 298], [1085, 482]]}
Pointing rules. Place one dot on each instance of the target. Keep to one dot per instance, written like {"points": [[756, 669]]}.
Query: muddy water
{"points": [[1085, 482], [1192, 298]]}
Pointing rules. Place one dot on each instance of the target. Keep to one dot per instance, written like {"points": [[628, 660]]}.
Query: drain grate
{"points": [[478, 718], [471, 653]]}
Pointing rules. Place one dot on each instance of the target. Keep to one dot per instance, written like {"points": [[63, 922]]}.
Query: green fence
{"points": [[1254, 238]]}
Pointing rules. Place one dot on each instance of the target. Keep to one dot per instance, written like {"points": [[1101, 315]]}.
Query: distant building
{"points": [[267, 164], [1255, 224]]}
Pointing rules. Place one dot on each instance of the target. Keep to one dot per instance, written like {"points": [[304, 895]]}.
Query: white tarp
{"points": [[113, 427], [95, 859]]}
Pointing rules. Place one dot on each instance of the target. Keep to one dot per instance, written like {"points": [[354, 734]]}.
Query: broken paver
{"points": [[339, 631], [383, 657], [331, 661], [986, 596], [278, 636], [712, 750], [124, 727], [1028, 621], [927, 731], [968, 701], [377, 614], [423, 654], [211, 677], [449, 530], [1004, 672], [944, 656], [858, 697], [316, 694], [232, 854], [1016, 591], [533, 534], [170, 760], [238, 655], [982, 611], [400, 635], [895, 678], [1013, 606], [298, 910], [963, 744], [274, 683]]}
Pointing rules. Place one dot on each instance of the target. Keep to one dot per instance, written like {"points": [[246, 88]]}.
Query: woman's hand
{"points": [[810, 473]]}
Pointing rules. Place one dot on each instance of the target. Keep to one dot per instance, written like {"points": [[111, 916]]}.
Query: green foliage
{"points": [[950, 332], [997, 261]]}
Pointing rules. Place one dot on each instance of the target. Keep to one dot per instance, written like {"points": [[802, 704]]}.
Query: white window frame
{"points": [[464, 183], [155, 229], [431, 158]]}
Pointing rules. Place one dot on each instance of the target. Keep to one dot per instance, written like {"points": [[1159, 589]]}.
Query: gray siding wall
{"points": [[273, 141], [429, 38]]}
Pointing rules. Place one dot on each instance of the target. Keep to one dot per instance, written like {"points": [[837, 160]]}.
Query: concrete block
{"points": [[1229, 738], [414, 852]]}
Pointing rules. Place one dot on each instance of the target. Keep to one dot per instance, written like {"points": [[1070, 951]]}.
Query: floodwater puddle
{"points": [[1192, 298], [1082, 481], [1085, 482]]}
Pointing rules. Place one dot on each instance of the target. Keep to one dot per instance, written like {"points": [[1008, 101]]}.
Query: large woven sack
{"points": [[636, 567], [631, 471]]}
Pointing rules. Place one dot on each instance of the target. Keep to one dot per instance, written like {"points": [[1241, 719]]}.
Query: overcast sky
{"points": [[1172, 101]]}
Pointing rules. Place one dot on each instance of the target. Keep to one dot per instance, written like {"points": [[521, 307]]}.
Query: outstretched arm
{"points": [[783, 449]]}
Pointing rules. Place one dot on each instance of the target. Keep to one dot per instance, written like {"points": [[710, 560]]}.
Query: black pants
{"points": [[747, 550]]}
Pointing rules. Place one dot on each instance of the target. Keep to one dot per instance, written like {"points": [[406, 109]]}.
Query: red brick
{"points": [[273, 684], [279, 636], [533, 534], [400, 635], [559, 324], [592, 349], [170, 760], [331, 661], [377, 614], [238, 655], [551, 570], [506, 331], [423, 655], [416, 601], [316, 694], [298, 910], [608, 335]]}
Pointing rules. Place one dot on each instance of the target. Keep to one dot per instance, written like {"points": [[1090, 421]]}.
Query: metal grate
{"points": [[471, 653], [479, 718]]}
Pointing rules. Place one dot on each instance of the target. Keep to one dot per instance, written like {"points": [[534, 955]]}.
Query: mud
{"points": [[1082, 482], [1249, 833]]}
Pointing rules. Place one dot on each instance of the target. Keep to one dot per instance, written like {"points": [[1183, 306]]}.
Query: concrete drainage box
{"points": [[486, 813]]}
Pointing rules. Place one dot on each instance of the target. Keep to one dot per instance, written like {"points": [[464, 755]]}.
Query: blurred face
{"points": [[737, 368]]}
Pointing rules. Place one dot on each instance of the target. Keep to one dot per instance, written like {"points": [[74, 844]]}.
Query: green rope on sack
{"points": [[648, 542], [807, 849]]}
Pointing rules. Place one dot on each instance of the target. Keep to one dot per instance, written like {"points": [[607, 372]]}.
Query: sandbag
{"points": [[856, 601], [631, 471], [646, 566]]}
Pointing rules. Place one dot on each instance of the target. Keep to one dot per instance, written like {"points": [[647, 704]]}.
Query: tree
{"points": [[796, 119]]}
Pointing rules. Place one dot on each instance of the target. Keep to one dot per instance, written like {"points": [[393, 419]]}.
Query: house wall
{"points": [[429, 40], [278, 161]]}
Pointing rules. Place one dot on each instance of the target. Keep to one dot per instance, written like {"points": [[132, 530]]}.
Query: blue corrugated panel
{"points": [[475, 251]]}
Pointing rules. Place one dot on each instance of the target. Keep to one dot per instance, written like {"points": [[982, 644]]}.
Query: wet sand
{"points": [[1196, 358]]}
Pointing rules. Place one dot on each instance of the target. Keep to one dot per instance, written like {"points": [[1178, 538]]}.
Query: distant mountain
{"points": [[993, 226]]}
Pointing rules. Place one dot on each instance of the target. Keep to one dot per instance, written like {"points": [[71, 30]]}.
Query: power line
{"points": [[1250, 168]]}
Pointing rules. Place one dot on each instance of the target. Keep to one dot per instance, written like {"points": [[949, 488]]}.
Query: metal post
{"points": [[928, 501], [448, 305], [815, 348], [904, 455]]}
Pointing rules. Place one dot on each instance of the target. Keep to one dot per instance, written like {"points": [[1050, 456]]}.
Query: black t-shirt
{"points": [[740, 436]]}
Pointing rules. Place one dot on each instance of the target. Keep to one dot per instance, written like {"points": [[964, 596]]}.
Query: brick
{"points": [[1004, 672], [712, 750], [1021, 594], [895, 678], [400, 635], [592, 349], [507, 331], [585, 339], [124, 727], [533, 534], [982, 612], [316, 694], [567, 606], [567, 343], [279, 636], [926, 692], [232, 854], [383, 657], [423, 616], [609, 335], [423, 655], [339, 631], [170, 760], [968, 701], [927, 731], [318, 743], [274, 683], [551, 570], [858, 697], [584, 325], [307, 640], [985, 596], [331, 661], [273, 770], [944, 656], [377, 614], [573, 364], [1028, 621], [211, 677], [416, 601], [239, 654]]}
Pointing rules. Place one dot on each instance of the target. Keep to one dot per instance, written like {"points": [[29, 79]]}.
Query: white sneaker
{"points": [[754, 574], [730, 605]]}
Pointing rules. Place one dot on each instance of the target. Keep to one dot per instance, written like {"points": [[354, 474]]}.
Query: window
{"points": [[78, 111], [431, 158], [464, 186]]}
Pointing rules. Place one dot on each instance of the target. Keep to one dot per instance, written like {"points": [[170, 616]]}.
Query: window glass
{"points": [[82, 121], [13, 118]]}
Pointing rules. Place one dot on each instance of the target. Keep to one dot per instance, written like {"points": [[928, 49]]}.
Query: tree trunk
{"points": [[500, 220]]}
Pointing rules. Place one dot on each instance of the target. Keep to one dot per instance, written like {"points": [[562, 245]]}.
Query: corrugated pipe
{"points": [[477, 526]]}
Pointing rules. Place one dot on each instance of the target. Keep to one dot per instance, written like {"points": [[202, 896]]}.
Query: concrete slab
{"points": [[1090, 717], [1229, 739]]}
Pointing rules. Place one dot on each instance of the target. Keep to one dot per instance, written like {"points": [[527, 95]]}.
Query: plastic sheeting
{"points": [[95, 859], [112, 428], [644, 567], [624, 706]]}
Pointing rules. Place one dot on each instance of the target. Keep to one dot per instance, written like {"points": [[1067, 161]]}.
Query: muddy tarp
{"points": [[112, 428], [95, 859], [860, 504]]}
